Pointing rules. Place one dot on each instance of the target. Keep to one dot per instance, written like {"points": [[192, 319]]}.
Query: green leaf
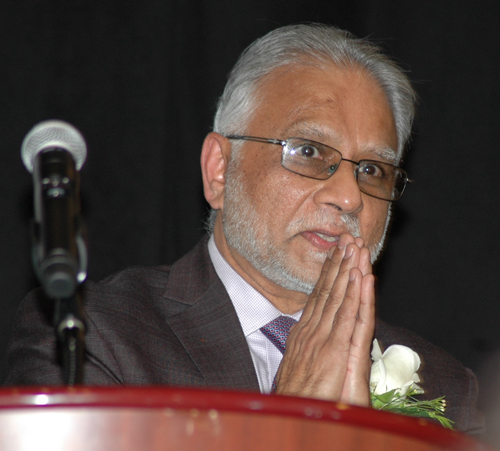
{"points": [[407, 404]]}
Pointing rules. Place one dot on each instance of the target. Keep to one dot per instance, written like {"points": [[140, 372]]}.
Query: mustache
{"points": [[322, 218]]}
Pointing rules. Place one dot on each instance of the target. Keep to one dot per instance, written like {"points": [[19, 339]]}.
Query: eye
{"points": [[307, 150], [372, 169]]}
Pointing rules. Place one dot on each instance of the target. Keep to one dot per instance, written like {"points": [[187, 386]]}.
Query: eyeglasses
{"points": [[319, 161]]}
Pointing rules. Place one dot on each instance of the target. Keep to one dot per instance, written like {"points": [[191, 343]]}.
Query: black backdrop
{"points": [[140, 79]]}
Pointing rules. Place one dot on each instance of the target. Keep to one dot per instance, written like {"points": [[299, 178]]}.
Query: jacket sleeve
{"points": [[33, 357]]}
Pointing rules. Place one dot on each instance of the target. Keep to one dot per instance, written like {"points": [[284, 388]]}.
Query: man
{"points": [[300, 172]]}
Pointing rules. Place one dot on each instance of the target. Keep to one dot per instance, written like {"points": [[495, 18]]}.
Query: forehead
{"points": [[343, 107]]}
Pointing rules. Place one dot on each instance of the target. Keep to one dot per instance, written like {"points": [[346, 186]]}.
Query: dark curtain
{"points": [[140, 79]]}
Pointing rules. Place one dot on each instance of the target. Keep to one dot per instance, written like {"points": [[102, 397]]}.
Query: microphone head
{"points": [[50, 134]]}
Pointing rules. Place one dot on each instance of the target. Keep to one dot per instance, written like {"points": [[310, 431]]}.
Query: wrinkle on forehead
{"points": [[299, 114]]}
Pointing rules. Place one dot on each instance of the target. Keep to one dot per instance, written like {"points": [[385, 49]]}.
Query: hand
{"points": [[328, 351]]}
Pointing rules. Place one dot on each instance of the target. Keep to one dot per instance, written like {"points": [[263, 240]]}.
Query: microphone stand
{"points": [[70, 329], [60, 254]]}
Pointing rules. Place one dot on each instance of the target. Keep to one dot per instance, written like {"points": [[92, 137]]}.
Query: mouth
{"points": [[322, 240], [328, 238]]}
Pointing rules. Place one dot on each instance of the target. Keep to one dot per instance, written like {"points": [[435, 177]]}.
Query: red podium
{"points": [[151, 419]]}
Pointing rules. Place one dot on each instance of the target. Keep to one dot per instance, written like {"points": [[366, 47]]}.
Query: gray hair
{"points": [[314, 45]]}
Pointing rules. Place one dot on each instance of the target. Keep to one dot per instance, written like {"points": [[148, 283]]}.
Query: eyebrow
{"points": [[311, 131], [315, 133], [387, 153]]}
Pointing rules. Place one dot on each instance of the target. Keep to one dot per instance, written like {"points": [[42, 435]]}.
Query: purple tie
{"points": [[277, 331]]}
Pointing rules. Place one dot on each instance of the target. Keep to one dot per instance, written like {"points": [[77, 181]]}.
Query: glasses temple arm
{"points": [[257, 139]]}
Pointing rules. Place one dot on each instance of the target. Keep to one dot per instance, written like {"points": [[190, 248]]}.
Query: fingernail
{"points": [[348, 252], [342, 242], [352, 275]]}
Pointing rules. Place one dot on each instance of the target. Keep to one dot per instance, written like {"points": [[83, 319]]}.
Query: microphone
{"points": [[54, 151]]}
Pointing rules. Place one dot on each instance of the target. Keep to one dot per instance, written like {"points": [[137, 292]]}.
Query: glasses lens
{"points": [[381, 180], [318, 161], [400, 182], [310, 158]]}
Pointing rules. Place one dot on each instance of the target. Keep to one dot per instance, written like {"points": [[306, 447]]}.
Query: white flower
{"points": [[395, 369]]}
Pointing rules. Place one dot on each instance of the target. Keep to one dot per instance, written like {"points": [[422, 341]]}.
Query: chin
{"points": [[316, 257], [303, 276]]}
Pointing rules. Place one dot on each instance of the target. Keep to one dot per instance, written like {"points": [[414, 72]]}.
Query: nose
{"points": [[341, 190]]}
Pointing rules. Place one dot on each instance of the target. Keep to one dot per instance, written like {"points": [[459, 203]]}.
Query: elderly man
{"points": [[300, 172]]}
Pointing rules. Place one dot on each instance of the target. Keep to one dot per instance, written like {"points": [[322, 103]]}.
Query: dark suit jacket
{"points": [[177, 326]]}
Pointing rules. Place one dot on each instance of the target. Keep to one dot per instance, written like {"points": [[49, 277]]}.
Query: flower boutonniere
{"points": [[393, 384]]}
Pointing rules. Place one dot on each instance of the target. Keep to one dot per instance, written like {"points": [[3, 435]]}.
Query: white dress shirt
{"points": [[254, 311]]}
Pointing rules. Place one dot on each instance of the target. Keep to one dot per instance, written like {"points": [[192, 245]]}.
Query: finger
{"points": [[339, 291], [360, 242], [365, 264], [327, 277], [365, 259], [325, 269], [345, 318], [356, 385], [301, 331], [343, 301], [365, 321]]}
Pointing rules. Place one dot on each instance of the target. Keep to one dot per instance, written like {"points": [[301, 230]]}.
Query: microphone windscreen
{"points": [[50, 134]]}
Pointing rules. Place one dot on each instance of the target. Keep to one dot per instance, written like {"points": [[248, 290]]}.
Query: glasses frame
{"points": [[284, 143]]}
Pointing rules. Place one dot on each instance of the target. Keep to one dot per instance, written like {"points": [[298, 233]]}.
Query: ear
{"points": [[215, 155]]}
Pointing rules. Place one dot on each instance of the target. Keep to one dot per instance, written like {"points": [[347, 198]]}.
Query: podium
{"points": [[158, 418]]}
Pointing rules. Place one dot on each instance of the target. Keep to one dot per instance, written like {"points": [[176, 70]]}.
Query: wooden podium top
{"points": [[154, 418]]}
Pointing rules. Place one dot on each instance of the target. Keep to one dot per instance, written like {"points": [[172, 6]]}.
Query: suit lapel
{"points": [[208, 327]]}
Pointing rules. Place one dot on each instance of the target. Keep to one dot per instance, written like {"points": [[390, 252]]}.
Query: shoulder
{"points": [[429, 353], [182, 282], [133, 282], [148, 294], [441, 375]]}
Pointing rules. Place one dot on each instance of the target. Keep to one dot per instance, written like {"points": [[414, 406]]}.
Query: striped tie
{"points": [[277, 331]]}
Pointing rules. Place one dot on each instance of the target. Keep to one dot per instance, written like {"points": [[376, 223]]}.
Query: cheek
{"points": [[275, 194], [373, 220], [269, 186]]}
